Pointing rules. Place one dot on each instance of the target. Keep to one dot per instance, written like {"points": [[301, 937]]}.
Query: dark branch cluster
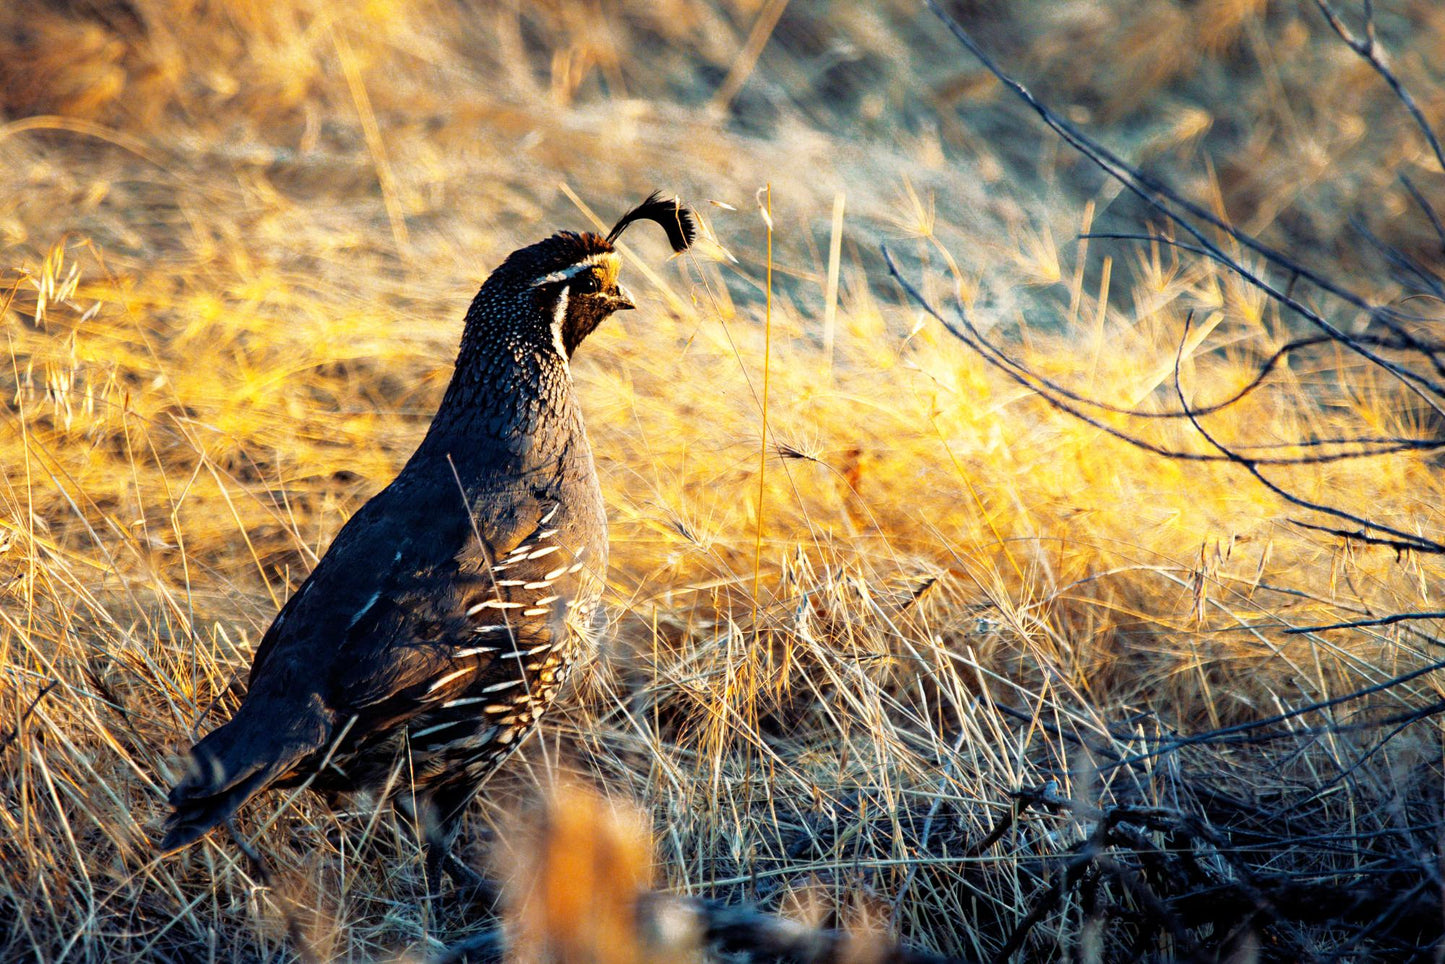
{"points": [[1170, 877], [1395, 346], [1241, 864], [1234, 870]]}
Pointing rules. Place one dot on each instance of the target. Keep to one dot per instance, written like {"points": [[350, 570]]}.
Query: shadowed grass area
{"points": [[236, 242]]}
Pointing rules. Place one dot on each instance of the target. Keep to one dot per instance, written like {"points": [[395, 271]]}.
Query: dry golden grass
{"points": [[237, 241]]}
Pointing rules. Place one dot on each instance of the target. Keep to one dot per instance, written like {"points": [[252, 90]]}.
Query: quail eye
{"points": [[586, 284]]}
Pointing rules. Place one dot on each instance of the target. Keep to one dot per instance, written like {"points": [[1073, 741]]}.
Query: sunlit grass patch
{"points": [[232, 283]]}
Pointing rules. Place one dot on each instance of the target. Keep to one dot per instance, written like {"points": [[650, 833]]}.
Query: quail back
{"points": [[448, 612]]}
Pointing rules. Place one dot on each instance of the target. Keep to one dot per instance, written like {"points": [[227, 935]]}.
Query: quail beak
{"points": [[622, 300]]}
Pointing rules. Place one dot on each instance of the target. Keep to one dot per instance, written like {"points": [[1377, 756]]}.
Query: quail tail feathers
{"points": [[237, 761]]}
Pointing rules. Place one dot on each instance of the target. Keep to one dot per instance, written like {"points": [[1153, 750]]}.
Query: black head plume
{"points": [[675, 219]]}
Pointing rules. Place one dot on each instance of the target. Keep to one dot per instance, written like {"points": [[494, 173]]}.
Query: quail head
{"points": [[448, 611]]}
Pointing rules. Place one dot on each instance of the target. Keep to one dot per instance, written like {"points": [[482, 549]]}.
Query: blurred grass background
{"points": [[238, 239]]}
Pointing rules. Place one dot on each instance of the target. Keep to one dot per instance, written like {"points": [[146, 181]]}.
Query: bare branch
{"points": [[1358, 623], [1428, 210], [1168, 202], [1217, 735], [1404, 539], [1370, 50], [1394, 538], [1164, 199]]}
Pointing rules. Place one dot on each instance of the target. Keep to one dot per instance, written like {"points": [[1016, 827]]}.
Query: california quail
{"points": [[447, 612]]}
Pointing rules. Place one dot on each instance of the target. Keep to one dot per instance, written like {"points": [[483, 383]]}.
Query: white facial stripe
{"points": [[559, 317], [573, 270]]}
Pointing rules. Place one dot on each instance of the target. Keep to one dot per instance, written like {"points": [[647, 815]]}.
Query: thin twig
{"points": [[1061, 399], [1426, 207], [15, 734], [1357, 623], [1393, 538]]}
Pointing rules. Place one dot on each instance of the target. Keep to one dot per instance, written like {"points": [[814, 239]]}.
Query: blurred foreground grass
{"points": [[236, 241]]}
